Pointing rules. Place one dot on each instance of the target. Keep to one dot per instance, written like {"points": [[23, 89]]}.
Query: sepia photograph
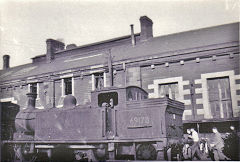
{"points": [[119, 80]]}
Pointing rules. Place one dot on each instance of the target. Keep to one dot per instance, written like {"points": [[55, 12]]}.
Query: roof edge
{"points": [[92, 44]]}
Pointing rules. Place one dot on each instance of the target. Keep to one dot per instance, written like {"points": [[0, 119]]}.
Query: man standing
{"points": [[195, 146], [233, 142], [218, 145], [189, 139]]}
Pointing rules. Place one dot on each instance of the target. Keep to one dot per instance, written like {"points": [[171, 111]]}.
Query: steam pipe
{"points": [[132, 35]]}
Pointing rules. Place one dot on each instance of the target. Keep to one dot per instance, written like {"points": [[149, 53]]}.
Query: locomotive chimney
{"points": [[110, 67], [146, 28], [52, 47], [6, 59], [31, 100], [132, 35]]}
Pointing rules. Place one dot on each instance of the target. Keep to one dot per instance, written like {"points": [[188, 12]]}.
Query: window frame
{"points": [[203, 80], [94, 80], [219, 100], [106, 96], [63, 84], [182, 92], [168, 85], [30, 89]]}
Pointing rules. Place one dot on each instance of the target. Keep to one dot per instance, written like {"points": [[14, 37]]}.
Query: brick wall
{"points": [[16, 95], [133, 76], [190, 72], [119, 79], [58, 92], [83, 87]]}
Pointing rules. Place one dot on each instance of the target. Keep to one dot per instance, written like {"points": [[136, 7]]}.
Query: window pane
{"points": [[217, 109], [225, 88], [213, 91], [68, 86], [212, 108], [33, 88], [175, 94], [227, 108], [98, 80], [162, 91]]}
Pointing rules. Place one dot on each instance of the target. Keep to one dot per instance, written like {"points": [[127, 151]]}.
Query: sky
{"points": [[26, 24]]}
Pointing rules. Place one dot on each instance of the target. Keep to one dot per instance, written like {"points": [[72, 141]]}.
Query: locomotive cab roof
{"points": [[106, 89]]}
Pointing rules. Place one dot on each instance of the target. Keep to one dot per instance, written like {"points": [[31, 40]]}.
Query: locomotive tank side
{"points": [[70, 123]]}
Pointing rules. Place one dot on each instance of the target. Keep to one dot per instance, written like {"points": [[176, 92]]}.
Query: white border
{"points": [[182, 92], [180, 82], [73, 90]]}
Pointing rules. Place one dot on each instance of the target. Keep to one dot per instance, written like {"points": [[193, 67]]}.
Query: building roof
{"points": [[181, 41], [106, 44], [162, 45]]}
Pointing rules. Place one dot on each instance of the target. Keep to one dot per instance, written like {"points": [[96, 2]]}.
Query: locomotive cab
{"points": [[113, 100], [101, 98], [118, 95]]}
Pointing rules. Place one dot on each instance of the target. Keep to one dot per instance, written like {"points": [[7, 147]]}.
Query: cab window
{"points": [[134, 94], [104, 98]]}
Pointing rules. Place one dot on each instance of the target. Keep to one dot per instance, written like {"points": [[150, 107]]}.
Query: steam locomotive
{"points": [[119, 123]]}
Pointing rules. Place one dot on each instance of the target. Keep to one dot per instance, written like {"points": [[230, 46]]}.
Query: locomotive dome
{"points": [[69, 101]]}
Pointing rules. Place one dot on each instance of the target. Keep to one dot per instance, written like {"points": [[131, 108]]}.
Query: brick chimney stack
{"points": [[146, 28], [52, 47], [6, 59]]}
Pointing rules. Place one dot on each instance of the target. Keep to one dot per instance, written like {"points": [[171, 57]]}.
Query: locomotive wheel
{"points": [[100, 152], [146, 152], [22, 155]]}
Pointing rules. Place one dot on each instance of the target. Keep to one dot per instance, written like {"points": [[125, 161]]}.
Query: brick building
{"points": [[198, 67]]}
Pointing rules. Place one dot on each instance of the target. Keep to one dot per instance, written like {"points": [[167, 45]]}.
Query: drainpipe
{"points": [[132, 36]]}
